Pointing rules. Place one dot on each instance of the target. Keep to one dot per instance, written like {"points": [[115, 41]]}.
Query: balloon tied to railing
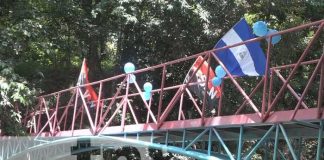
{"points": [[129, 68], [148, 89], [220, 74], [260, 29]]}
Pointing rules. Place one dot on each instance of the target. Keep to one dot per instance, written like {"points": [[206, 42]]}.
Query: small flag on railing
{"points": [[201, 76], [88, 91], [244, 60]]}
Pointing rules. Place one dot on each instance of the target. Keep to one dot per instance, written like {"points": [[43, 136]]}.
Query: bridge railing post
{"points": [[220, 101], [56, 112], [39, 115], [161, 92], [206, 89], [321, 90], [123, 118], [319, 141], [74, 110], [265, 84], [98, 106], [270, 88]]}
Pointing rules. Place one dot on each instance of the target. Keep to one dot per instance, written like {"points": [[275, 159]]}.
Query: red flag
{"points": [[88, 91], [201, 75]]}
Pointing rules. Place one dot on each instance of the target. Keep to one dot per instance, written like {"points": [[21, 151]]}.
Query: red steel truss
{"points": [[68, 113]]}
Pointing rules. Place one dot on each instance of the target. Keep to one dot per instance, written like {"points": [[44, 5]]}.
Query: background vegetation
{"points": [[42, 43]]}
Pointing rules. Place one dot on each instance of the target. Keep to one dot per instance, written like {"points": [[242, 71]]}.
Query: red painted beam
{"points": [[222, 122]]}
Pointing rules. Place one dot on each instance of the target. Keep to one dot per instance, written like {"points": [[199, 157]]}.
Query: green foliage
{"points": [[14, 96]]}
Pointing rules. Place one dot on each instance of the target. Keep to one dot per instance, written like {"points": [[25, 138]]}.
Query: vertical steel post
{"points": [[74, 109], [288, 142], [206, 89], [39, 115], [219, 108], [125, 104], [180, 107], [300, 147], [276, 143], [152, 136], [65, 121], [98, 104], [319, 141], [240, 143], [270, 88], [266, 78], [161, 92], [184, 138], [321, 90], [209, 141], [167, 137], [56, 112], [81, 118]]}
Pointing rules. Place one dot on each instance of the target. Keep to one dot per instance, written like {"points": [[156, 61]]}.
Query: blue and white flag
{"points": [[244, 60]]}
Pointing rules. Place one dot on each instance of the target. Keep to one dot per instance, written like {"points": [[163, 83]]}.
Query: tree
{"points": [[15, 95]]}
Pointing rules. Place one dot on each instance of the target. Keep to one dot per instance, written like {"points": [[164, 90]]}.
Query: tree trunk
{"points": [[94, 60]]}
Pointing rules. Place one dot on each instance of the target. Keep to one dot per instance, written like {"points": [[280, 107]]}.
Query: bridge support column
{"points": [[276, 143], [319, 141], [240, 143]]}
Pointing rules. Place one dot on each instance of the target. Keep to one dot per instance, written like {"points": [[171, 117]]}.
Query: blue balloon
{"points": [[274, 39], [129, 67], [216, 81], [260, 28], [148, 87], [147, 95], [132, 78], [220, 72]]}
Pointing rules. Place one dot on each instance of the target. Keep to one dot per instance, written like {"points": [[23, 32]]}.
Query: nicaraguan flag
{"points": [[243, 60]]}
